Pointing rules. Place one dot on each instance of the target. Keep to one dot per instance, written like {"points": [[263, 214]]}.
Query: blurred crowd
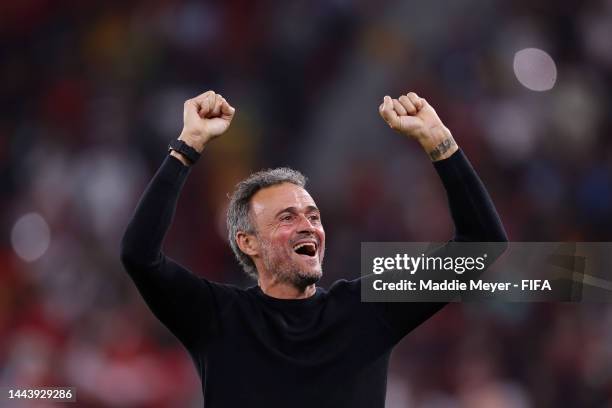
{"points": [[91, 93]]}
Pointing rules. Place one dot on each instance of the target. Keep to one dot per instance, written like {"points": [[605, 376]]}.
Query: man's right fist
{"points": [[205, 117]]}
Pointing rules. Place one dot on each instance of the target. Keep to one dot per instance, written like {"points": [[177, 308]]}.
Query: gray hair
{"points": [[238, 212]]}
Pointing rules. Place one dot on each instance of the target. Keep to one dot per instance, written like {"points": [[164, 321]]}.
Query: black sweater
{"points": [[252, 350]]}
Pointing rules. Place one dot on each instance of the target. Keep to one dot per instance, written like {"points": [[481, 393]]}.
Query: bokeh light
{"points": [[30, 237], [535, 69]]}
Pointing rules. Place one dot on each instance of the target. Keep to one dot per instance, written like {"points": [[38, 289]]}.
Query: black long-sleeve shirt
{"points": [[253, 350]]}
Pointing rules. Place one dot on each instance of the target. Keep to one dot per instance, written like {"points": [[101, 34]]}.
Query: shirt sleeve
{"points": [[182, 301], [475, 219], [471, 207]]}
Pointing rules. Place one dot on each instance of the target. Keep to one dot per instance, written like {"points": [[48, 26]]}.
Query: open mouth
{"points": [[306, 248]]}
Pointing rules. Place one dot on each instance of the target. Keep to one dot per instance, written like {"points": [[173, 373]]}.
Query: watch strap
{"points": [[181, 147]]}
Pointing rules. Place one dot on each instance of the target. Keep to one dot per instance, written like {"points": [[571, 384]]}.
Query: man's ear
{"points": [[248, 243]]}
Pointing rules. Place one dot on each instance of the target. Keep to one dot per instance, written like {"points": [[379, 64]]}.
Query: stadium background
{"points": [[91, 92]]}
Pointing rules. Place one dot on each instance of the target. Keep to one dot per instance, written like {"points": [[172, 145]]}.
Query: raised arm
{"points": [[471, 208], [181, 300]]}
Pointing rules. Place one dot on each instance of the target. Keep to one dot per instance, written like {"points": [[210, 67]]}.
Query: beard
{"points": [[285, 268]]}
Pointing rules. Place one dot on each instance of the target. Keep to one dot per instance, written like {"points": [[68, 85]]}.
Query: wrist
{"points": [[439, 144], [195, 142], [184, 152], [180, 157]]}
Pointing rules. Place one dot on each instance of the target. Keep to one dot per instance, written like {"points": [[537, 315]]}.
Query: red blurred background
{"points": [[93, 91]]}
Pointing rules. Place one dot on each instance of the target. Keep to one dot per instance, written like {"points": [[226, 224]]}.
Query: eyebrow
{"points": [[294, 210]]}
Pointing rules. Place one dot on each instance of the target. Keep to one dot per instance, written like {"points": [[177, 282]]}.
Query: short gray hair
{"points": [[238, 212]]}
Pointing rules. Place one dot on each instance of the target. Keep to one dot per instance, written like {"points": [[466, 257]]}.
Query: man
{"points": [[286, 342]]}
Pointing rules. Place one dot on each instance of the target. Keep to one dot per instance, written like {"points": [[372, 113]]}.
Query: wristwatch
{"points": [[181, 147]]}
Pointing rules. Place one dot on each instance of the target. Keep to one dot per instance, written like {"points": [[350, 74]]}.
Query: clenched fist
{"points": [[204, 118], [414, 117]]}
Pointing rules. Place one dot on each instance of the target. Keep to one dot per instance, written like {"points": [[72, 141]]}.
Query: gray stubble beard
{"points": [[284, 270]]}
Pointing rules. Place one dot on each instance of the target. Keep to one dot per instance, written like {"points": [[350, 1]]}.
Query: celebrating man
{"points": [[286, 342]]}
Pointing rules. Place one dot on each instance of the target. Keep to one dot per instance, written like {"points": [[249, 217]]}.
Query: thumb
{"points": [[227, 111], [388, 113], [190, 111]]}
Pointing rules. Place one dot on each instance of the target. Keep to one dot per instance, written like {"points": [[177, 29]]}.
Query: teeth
{"points": [[298, 246]]}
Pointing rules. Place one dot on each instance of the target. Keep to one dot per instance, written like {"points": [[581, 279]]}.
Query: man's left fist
{"points": [[414, 117]]}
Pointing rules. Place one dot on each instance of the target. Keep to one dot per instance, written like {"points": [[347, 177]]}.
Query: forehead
{"points": [[268, 201]]}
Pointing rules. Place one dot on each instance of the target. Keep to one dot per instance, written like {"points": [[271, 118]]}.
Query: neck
{"points": [[284, 290]]}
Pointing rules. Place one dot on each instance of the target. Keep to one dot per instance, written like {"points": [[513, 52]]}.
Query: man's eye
{"points": [[287, 217], [314, 217]]}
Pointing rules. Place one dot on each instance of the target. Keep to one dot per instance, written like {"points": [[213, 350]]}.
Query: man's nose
{"points": [[305, 224]]}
